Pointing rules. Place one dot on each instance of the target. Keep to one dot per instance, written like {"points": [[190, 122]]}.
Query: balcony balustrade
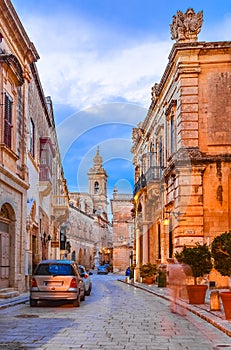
{"points": [[60, 206], [154, 173], [60, 202]]}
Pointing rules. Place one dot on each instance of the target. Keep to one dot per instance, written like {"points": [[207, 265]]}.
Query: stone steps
{"points": [[6, 293]]}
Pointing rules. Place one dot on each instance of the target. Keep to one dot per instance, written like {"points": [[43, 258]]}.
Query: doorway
{"points": [[4, 255]]}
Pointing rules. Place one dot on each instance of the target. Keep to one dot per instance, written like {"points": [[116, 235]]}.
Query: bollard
{"points": [[214, 301]]}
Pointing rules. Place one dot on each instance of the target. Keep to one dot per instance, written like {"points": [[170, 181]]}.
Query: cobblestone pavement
{"points": [[216, 318], [115, 316]]}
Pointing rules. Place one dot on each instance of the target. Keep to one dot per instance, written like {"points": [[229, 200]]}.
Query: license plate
{"points": [[53, 283]]}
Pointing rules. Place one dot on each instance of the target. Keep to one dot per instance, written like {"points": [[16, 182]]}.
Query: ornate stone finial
{"points": [[98, 161], [186, 27]]}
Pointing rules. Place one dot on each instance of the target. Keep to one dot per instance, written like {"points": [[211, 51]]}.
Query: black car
{"points": [[102, 270]]}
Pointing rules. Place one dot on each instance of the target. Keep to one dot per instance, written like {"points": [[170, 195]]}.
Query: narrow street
{"points": [[115, 316]]}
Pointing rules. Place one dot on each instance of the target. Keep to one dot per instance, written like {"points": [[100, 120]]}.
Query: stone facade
{"points": [[33, 192], [123, 231], [182, 150], [16, 56]]}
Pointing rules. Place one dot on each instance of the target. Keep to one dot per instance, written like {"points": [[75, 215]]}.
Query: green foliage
{"points": [[148, 270], [198, 258], [221, 253]]}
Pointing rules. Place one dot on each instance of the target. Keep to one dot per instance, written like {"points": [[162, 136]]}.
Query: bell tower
{"points": [[97, 180]]}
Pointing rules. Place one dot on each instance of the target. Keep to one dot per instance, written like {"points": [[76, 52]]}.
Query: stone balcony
{"points": [[60, 208]]}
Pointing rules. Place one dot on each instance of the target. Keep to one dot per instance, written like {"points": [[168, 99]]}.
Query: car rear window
{"points": [[54, 269]]}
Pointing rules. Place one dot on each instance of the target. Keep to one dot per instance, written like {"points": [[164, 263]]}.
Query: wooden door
{"points": [[4, 255]]}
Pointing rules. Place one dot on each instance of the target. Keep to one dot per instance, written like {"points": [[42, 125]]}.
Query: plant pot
{"points": [[226, 301], [149, 280], [196, 293]]}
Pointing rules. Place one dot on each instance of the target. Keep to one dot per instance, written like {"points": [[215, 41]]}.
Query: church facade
{"points": [[88, 228]]}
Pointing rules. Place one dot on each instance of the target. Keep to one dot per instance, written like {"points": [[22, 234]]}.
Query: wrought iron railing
{"points": [[154, 173]]}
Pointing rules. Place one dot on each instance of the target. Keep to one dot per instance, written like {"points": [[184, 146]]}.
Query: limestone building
{"points": [[36, 216], [33, 192], [182, 150], [123, 231], [15, 77]]}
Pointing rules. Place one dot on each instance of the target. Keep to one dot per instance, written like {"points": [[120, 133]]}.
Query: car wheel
{"points": [[88, 292], [33, 302], [83, 297], [76, 302]]}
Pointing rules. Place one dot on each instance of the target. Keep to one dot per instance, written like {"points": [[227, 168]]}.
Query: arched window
{"points": [[96, 187]]}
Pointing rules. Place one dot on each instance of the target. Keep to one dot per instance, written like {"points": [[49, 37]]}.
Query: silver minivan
{"points": [[57, 280]]}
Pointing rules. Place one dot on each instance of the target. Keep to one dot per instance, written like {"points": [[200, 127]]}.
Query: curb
{"points": [[216, 321]]}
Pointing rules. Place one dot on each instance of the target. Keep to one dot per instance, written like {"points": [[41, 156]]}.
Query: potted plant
{"points": [[221, 253], [200, 261], [148, 272]]}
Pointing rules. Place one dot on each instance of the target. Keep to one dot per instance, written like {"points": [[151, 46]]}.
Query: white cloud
{"points": [[105, 114], [81, 65], [86, 61], [90, 79]]}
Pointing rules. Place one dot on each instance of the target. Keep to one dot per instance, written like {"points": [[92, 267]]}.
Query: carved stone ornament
{"points": [[186, 27], [135, 134], [154, 91]]}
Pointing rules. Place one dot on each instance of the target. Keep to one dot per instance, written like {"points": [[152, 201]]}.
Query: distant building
{"points": [[88, 230], [123, 231]]}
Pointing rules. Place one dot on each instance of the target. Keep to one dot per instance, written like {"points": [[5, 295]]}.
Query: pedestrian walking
{"points": [[128, 272], [177, 274]]}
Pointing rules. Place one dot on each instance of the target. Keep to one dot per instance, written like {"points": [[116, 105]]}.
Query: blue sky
{"points": [[98, 62]]}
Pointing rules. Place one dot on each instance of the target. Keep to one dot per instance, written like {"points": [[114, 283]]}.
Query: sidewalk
{"points": [[216, 318], [21, 299]]}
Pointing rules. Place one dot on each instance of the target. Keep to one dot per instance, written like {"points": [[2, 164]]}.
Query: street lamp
{"points": [[45, 239], [166, 219]]}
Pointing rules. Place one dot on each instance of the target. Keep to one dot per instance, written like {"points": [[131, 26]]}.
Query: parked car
{"points": [[102, 270], [57, 280], [86, 278]]}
